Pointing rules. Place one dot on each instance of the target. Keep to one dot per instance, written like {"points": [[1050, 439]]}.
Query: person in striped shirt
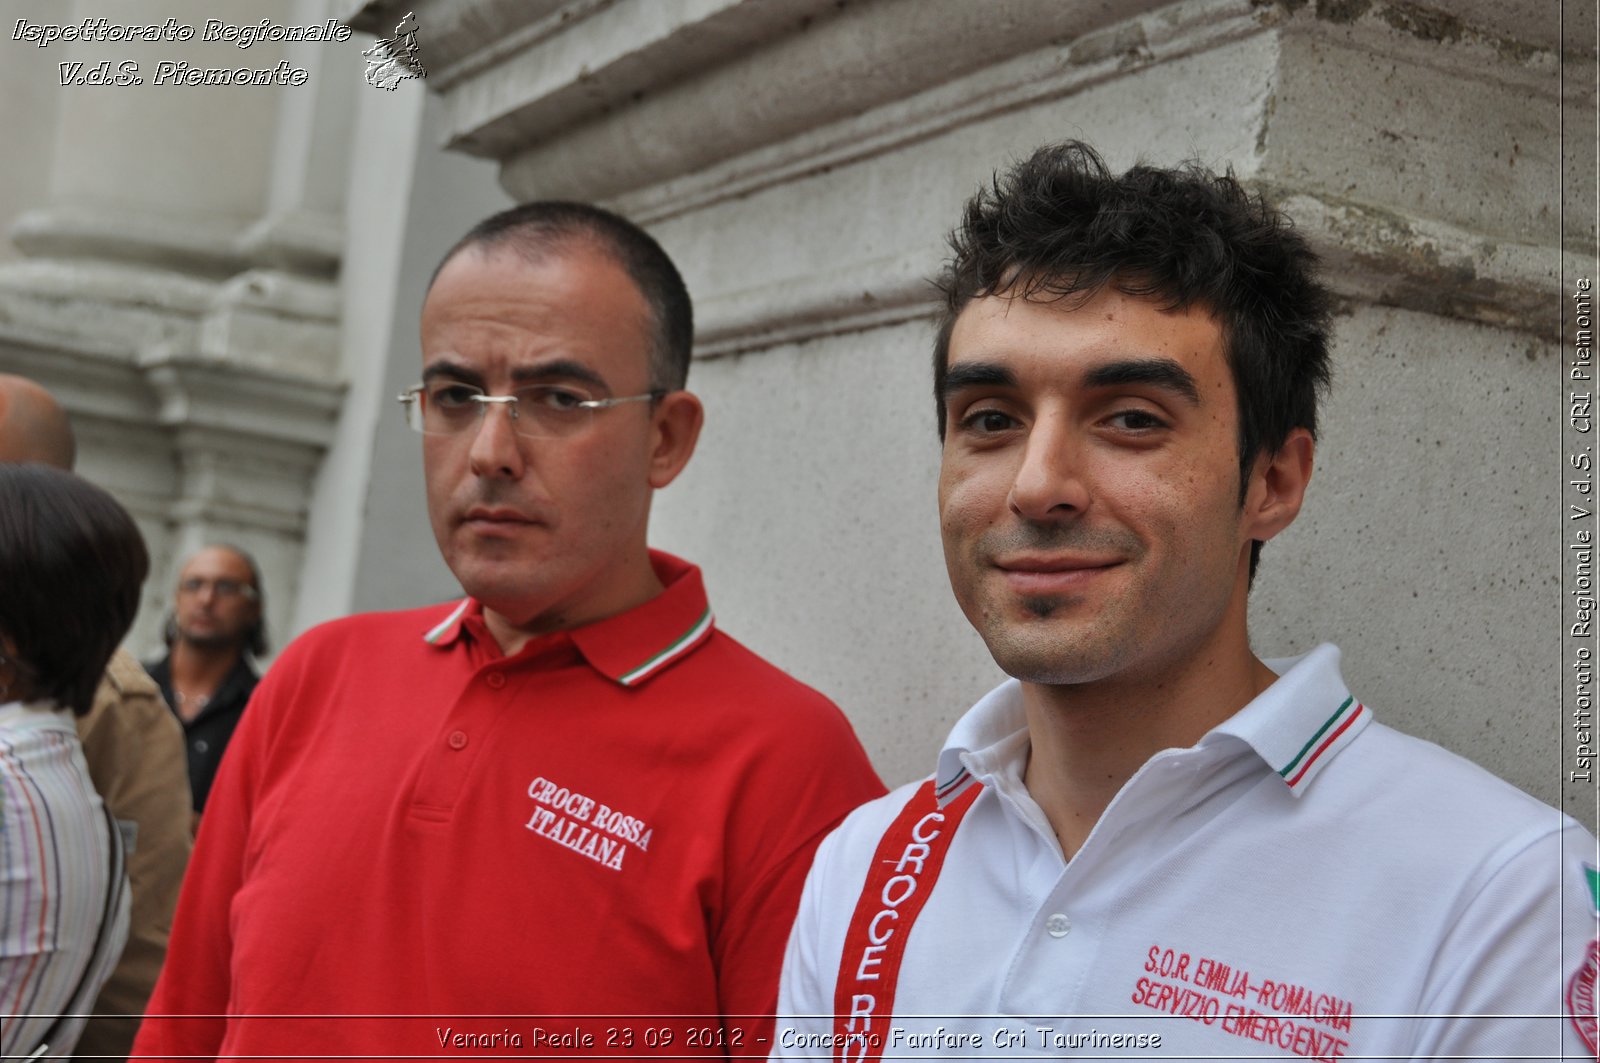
{"points": [[71, 565], [133, 745]]}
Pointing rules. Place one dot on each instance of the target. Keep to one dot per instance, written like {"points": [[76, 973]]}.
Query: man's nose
{"points": [[1051, 479], [496, 446]]}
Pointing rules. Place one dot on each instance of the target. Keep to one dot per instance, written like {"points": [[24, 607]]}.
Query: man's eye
{"points": [[452, 396], [987, 422], [1136, 420], [552, 398]]}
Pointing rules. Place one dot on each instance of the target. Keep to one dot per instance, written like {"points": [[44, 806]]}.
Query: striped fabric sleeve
{"points": [[54, 866]]}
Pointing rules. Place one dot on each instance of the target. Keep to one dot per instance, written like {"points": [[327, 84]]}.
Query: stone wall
{"points": [[223, 286], [172, 272], [802, 160]]}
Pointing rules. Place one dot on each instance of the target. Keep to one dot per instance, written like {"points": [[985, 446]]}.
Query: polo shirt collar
{"points": [[1300, 723], [447, 628], [631, 647], [1297, 726], [990, 739]]}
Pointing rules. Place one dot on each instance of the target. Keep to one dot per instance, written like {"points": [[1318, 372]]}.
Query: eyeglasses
{"points": [[543, 411], [222, 588]]}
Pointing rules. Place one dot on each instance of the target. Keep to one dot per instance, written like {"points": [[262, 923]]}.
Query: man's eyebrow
{"points": [[965, 375], [560, 369], [444, 367], [1163, 373]]}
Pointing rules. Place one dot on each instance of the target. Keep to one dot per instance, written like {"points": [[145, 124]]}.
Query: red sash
{"points": [[903, 872]]}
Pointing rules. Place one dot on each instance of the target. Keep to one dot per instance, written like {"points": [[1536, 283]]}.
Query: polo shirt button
{"points": [[201, 745], [458, 740], [495, 680], [1058, 925]]}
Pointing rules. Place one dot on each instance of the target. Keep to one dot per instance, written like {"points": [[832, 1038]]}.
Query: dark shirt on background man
{"points": [[207, 735]]}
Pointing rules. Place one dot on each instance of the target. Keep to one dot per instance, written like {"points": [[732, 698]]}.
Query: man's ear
{"points": [[675, 428], [1278, 486]]}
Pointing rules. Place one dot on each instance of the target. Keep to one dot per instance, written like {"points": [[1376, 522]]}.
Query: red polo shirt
{"points": [[416, 840]]}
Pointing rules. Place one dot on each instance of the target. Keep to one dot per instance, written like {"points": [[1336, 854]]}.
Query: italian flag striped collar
{"points": [[449, 626], [1303, 721], [632, 647], [1298, 726], [990, 738]]}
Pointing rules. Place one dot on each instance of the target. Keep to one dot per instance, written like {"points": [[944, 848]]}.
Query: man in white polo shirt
{"points": [[1150, 843]]}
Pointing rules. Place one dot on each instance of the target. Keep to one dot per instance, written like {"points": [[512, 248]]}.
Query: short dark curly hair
{"points": [[1060, 225], [71, 562]]}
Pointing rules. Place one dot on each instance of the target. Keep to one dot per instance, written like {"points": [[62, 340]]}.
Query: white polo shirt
{"points": [[1302, 883]]}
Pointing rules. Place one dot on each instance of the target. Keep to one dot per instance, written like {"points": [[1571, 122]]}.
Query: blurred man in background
{"points": [[215, 627]]}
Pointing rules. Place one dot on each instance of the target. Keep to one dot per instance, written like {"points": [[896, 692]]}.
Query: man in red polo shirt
{"points": [[565, 815]]}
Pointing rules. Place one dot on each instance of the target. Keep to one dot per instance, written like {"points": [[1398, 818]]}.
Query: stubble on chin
{"points": [[1050, 664], [1041, 607], [212, 640], [1027, 646]]}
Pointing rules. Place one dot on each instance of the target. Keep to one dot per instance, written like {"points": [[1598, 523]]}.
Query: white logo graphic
{"points": [[392, 60], [584, 825]]}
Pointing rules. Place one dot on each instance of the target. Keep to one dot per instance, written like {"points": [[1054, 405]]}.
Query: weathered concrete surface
{"points": [[171, 274], [802, 160], [805, 186]]}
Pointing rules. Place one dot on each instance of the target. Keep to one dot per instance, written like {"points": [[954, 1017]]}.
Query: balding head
{"points": [[33, 426]]}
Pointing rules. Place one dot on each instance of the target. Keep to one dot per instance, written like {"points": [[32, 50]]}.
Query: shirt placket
{"points": [[461, 738], [1054, 961]]}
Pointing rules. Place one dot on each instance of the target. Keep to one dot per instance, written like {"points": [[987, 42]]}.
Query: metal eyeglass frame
{"points": [[410, 396]]}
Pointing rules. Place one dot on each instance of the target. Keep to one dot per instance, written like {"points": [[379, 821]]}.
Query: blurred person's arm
{"points": [[133, 746]]}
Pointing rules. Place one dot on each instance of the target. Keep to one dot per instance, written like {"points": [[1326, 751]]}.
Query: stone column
{"points": [[177, 283]]}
